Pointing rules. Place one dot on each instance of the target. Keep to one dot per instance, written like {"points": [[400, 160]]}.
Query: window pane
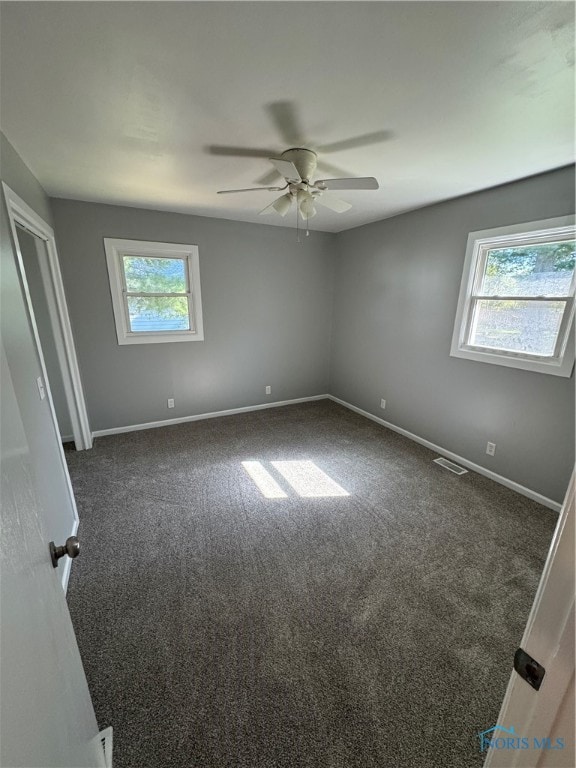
{"points": [[542, 269], [144, 275], [158, 313], [517, 326]]}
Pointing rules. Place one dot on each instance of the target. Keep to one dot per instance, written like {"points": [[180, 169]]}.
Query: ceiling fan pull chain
{"points": [[297, 224]]}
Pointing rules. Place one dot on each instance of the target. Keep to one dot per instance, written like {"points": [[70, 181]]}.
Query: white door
{"points": [[28, 372], [535, 728], [46, 715]]}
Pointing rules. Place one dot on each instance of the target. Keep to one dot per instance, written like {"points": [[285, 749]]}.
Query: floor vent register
{"points": [[456, 468]]}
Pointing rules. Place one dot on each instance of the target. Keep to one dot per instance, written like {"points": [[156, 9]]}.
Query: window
{"points": [[516, 305], [155, 291]]}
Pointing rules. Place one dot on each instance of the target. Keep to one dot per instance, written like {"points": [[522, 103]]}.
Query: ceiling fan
{"points": [[297, 166]]}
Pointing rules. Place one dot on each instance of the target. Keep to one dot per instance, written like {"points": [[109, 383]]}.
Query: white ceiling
{"points": [[119, 102]]}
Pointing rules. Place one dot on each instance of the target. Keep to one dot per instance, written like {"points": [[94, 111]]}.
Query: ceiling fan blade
{"points": [[285, 118], [217, 149], [250, 189], [285, 168], [269, 177], [367, 182], [334, 203], [357, 141]]}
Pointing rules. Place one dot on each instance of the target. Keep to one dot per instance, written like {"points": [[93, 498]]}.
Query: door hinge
{"points": [[529, 669]]}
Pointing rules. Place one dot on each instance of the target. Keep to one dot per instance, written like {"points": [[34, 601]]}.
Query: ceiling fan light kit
{"points": [[281, 205]]}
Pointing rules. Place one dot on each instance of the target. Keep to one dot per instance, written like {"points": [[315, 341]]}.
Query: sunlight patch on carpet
{"points": [[304, 477], [307, 479], [264, 480]]}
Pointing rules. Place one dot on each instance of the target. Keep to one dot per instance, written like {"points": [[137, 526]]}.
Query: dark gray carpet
{"points": [[221, 629]]}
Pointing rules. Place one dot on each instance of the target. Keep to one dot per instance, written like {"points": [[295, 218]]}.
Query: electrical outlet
{"points": [[382, 403], [170, 402], [268, 390], [490, 449]]}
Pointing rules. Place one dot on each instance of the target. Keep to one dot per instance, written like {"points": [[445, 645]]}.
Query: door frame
{"points": [[20, 213], [548, 638]]}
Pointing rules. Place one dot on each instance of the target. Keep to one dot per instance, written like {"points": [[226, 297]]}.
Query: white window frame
{"points": [[479, 243], [116, 249]]}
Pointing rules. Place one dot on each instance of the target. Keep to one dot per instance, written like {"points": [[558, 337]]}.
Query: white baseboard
{"points": [[202, 416], [544, 500]]}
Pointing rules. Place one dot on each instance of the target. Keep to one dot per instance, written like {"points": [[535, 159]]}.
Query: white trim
{"points": [[549, 638], [561, 227], [545, 579], [105, 741], [67, 565], [20, 213], [202, 416], [115, 249], [544, 500]]}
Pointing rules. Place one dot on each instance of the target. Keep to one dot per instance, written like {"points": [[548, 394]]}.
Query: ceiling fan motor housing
{"points": [[304, 159]]}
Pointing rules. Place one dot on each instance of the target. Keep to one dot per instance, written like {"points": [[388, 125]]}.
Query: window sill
{"points": [[554, 367], [159, 338]]}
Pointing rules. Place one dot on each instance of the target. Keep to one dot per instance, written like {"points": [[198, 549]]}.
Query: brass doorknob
{"points": [[71, 548]]}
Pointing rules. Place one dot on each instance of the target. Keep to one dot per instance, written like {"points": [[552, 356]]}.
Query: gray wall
{"points": [[32, 250], [396, 290], [267, 304]]}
